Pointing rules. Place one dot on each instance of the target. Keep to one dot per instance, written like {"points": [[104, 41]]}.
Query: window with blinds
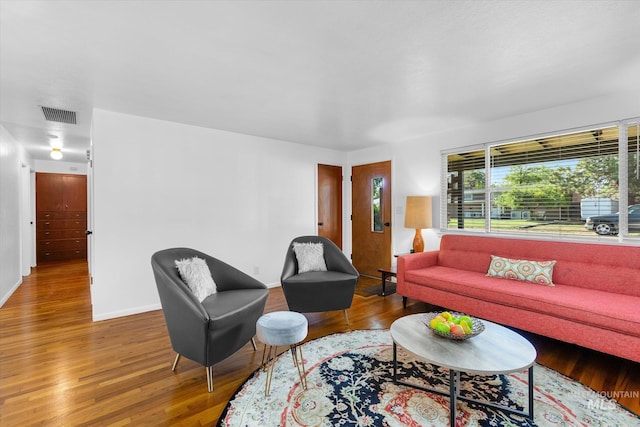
{"points": [[633, 184], [466, 192], [584, 183]]}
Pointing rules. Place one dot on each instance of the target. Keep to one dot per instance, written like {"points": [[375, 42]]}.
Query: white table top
{"points": [[497, 350]]}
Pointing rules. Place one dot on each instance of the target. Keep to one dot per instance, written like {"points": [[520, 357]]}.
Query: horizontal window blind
{"points": [[466, 179], [548, 185], [633, 184], [539, 185]]}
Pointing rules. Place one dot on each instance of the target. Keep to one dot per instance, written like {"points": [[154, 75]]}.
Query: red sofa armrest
{"points": [[417, 261], [413, 262]]}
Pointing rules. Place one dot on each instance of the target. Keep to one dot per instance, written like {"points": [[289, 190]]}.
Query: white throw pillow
{"points": [[196, 274], [310, 257]]}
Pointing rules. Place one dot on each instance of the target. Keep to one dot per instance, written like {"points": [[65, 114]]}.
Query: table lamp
{"points": [[418, 216]]}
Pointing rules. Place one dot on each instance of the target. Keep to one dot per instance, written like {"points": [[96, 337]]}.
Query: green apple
{"points": [[434, 322], [443, 327]]}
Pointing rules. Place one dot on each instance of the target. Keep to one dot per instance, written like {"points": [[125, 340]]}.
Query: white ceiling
{"points": [[340, 74]]}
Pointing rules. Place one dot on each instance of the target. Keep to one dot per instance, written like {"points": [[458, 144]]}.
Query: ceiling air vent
{"points": [[58, 115]]}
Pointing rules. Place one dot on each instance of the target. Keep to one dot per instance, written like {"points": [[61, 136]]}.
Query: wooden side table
{"points": [[386, 273]]}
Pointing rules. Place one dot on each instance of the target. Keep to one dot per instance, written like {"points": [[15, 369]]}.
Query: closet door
{"points": [[61, 217], [74, 193], [48, 192]]}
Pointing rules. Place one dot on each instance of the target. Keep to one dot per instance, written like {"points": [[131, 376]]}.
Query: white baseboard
{"points": [[137, 310], [6, 297], [127, 312]]}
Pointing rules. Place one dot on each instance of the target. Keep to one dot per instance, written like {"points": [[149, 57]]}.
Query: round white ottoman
{"points": [[277, 329]]}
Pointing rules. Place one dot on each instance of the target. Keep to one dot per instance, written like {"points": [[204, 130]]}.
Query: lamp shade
{"points": [[418, 212]]}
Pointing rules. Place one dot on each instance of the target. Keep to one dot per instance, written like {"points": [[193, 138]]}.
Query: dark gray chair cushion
{"points": [[316, 291]]}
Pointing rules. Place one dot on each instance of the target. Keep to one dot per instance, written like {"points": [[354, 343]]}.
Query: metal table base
{"points": [[454, 392]]}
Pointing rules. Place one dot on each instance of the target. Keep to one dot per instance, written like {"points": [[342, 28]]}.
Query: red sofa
{"points": [[595, 302]]}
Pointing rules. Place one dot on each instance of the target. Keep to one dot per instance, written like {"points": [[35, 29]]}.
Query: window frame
{"points": [[623, 168]]}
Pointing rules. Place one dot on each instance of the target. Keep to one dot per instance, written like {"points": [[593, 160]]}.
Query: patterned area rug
{"points": [[349, 384]]}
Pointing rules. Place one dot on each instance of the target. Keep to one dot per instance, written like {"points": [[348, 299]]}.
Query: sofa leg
{"points": [[253, 341], [404, 302], [209, 370], [175, 362], [346, 316]]}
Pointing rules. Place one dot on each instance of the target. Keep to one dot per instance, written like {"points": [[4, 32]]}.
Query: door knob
{"points": [[88, 232], [387, 224], [321, 223]]}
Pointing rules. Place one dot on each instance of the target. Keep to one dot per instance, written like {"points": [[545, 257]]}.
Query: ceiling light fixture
{"points": [[56, 153]]}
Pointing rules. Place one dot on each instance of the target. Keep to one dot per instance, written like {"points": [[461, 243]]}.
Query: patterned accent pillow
{"points": [[539, 272], [196, 274], [310, 257]]}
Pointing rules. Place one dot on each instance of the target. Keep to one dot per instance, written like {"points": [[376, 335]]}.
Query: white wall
{"points": [[241, 198], [12, 157], [160, 184], [58, 166], [416, 163]]}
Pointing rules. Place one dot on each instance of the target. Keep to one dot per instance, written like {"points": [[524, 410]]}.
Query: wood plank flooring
{"points": [[59, 368]]}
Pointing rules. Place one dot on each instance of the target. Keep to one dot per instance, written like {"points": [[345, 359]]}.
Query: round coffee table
{"points": [[497, 350]]}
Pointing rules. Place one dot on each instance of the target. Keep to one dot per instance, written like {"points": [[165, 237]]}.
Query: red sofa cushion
{"points": [[584, 306]]}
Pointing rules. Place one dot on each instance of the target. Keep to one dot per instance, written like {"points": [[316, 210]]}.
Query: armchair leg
{"points": [[346, 316], [209, 370], [253, 341], [175, 362]]}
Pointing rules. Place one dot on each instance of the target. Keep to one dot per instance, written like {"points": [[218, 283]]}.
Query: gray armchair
{"points": [[316, 291], [210, 331]]}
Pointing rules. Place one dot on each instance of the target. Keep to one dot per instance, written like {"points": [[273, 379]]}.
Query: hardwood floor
{"points": [[58, 368]]}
